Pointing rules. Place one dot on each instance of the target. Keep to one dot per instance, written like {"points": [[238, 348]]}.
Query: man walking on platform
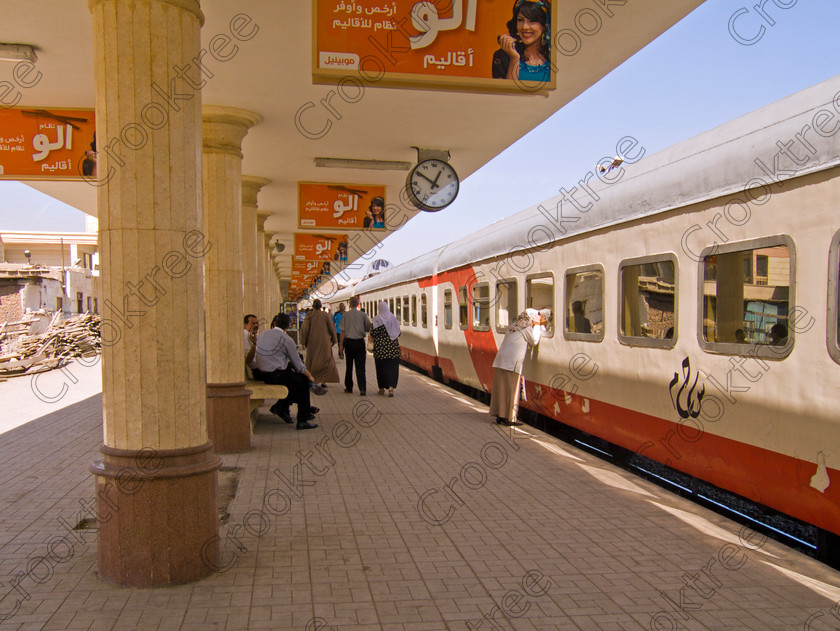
{"points": [[354, 326]]}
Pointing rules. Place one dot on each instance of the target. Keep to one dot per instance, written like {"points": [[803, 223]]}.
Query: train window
{"points": [[463, 310], [447, 308], [834, 298], [405, 313], [414, 311], [481, 307], [539, 294], [584, 310], [648, 315], [424, 318], [747, 297], [507, 307], [391, 306], [398, 312]]}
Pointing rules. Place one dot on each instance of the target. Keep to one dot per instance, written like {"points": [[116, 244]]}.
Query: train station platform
{"points": [[406, 513]]}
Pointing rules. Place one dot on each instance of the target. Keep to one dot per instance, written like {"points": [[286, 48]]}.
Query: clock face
{"points": [[433, 185]]}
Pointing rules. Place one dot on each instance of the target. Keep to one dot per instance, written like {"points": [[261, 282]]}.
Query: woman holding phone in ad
{"points": [[526, 48]]}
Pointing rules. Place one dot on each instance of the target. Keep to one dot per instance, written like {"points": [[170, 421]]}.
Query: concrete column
{"points": [[277, 295], [251, 186], [228, 410], [271, 304], [156, 482], [262, 277]]}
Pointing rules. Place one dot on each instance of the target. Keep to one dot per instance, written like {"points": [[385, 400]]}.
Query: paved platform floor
{"points": [[405, 513]]}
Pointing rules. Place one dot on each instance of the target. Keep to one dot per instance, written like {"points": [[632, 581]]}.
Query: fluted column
{"points": [[278, 299], [156, 481], [271, 304], [228, 410], [262, 277], [251, 186]]}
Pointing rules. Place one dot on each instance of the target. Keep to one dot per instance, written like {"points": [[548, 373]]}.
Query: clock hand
{"points": [[434, 184], [437, 177]]}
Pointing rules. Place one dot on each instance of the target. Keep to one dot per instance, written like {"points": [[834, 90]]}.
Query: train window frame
{"points": [[833, 322], [637, 340], [574, 271], [414, 310], [447, 302], [509, 282], [406, 312], [549, 330], [476, 321], [424, 310], [463, 308], [764, 351]]}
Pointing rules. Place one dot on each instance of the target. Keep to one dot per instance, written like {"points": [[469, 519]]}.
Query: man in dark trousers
{"points": [[279, 363], [354, 326]]}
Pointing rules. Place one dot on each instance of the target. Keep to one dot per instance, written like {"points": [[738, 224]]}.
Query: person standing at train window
{"points": [[386, 349], [523, 334], [354, 326]]}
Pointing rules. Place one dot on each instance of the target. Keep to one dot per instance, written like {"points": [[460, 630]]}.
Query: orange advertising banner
{"points": [[39, 144], [318, 247], [311, 268], [343, 206], [451, 44]]}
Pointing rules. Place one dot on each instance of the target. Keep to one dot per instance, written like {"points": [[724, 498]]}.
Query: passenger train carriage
{"points": [[695, 302]]}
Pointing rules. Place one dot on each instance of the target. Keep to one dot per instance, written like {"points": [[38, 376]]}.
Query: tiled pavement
{"points": [[538, 534]]}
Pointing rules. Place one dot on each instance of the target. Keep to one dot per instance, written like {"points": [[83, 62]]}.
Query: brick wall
{"points": [[10, 303]]}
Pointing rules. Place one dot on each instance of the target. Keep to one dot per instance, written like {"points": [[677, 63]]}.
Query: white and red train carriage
{"points": [[695, 301]]}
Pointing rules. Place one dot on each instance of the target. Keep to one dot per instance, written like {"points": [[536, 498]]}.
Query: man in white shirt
{"points": [[249, 341], [279, 363]]}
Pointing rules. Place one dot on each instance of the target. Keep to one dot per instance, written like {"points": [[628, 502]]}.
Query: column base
{"points": [[228, 417], [157, 513]]}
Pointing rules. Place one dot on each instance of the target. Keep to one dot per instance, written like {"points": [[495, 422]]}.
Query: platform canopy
{"points": [[260, 57]]}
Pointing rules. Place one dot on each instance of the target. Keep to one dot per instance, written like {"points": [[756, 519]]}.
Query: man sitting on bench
{"points": [[279, 363]]}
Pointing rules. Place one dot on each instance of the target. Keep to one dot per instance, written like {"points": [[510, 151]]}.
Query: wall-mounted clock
{"points": [[432, 185]]}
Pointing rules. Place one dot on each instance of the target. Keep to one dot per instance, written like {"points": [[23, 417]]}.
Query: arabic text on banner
{"points": [[433, 43], [47, 144], [339, 206]]}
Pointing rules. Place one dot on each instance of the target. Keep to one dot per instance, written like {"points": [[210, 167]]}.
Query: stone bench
{"points": [[260, 392]]}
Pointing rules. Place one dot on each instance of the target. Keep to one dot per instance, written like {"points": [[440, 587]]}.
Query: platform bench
{"points": [[260, 392]]}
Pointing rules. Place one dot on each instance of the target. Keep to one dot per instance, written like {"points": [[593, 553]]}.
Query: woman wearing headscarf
{"points": [[523, 334], [386, 349], [317, 335]]}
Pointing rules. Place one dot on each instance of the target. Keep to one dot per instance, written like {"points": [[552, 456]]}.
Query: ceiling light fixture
{"points": [[17, 52], [351, 163]]}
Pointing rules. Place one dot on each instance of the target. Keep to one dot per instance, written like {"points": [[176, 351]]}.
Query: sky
{"points": [[690, 79]]}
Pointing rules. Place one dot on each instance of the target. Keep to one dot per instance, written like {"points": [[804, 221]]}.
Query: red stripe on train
{"points": [[480, 344], [767, 477]]}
